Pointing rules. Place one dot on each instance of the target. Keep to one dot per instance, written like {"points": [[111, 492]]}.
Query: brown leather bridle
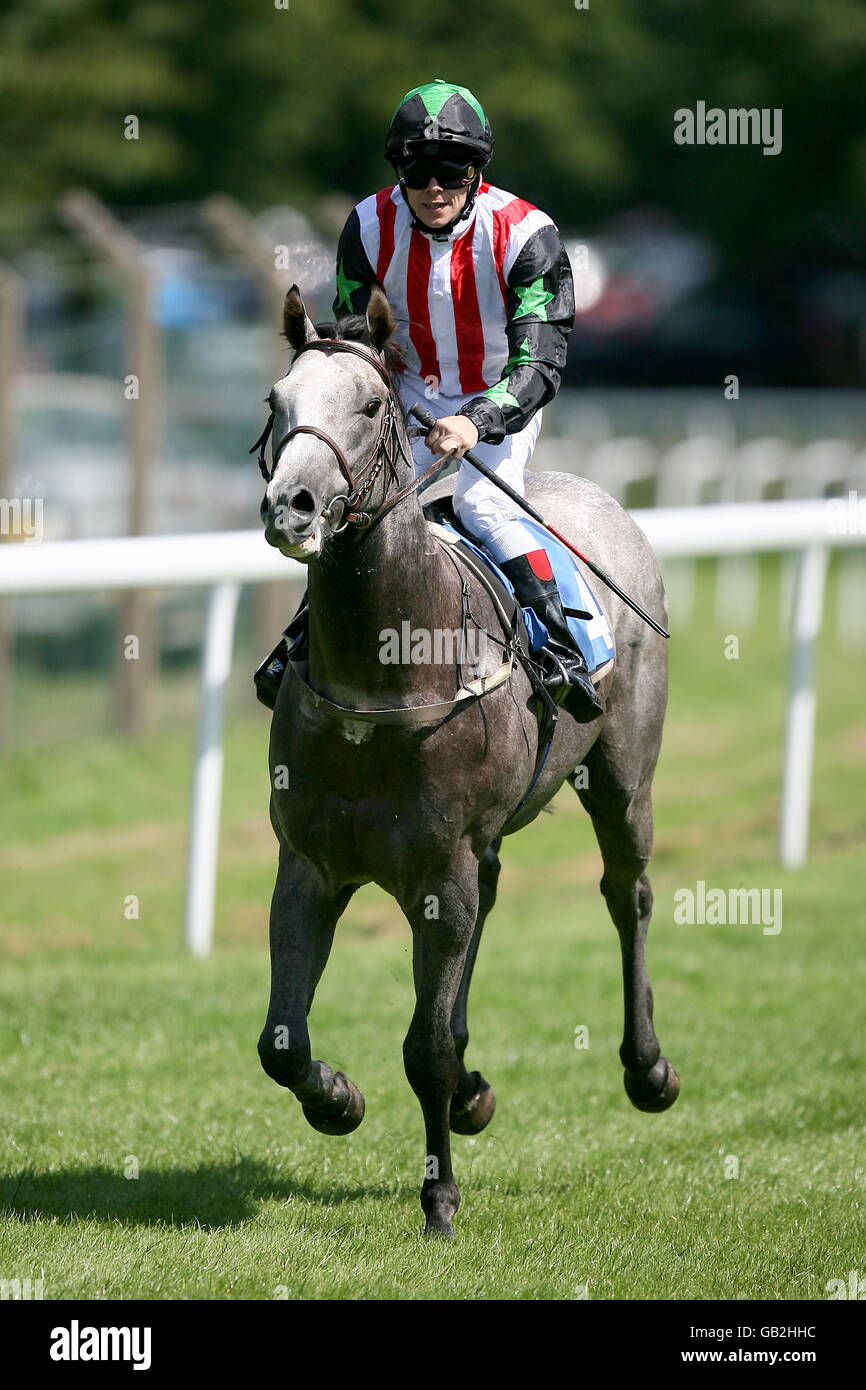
{"points": [[383, 450]]}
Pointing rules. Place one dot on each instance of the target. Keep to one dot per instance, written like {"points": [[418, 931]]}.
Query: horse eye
{"points": [[371, 408]]}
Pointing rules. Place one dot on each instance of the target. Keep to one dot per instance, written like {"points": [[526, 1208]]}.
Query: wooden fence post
{"points": [[109, 239]]}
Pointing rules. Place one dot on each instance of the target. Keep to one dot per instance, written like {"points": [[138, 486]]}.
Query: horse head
{"points": [[334, 422]]}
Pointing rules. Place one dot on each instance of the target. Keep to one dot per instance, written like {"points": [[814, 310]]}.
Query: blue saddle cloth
{"points": [[592, 635]]}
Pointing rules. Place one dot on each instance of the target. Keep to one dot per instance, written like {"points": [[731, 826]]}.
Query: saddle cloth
{"points": [[592, 634]]}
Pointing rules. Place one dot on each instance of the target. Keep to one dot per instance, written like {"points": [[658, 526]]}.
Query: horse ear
{"points": [[296, 325], [380, 320]]}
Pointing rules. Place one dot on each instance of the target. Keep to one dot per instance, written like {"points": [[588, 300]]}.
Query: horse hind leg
{"points": [[474, 1099], [623, 825]]}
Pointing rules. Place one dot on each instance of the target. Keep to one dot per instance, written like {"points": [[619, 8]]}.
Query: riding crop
{"points": [[428, 421]]}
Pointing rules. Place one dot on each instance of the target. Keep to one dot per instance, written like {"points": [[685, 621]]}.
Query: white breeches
{"points": [[479, 506]]}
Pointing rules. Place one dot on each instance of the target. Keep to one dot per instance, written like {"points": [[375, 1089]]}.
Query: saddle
{"points": [[519, 622], [587, 623]]}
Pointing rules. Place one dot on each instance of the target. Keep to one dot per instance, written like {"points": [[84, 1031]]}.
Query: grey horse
{"points": [[362, 792]]}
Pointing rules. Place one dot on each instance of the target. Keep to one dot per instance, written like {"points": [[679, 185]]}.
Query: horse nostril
{"points": [[303, 502]]}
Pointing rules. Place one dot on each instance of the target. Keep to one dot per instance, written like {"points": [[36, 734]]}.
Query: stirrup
{"points": [[571, 687], [555, 676]]}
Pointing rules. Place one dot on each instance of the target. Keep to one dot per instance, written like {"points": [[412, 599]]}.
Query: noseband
{"points": [[359, 484]]}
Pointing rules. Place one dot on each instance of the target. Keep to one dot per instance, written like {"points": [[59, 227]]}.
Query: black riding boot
{"points": [[567, 679], [269, 675]]}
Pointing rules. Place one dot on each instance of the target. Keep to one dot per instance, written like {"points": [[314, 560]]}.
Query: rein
{"points": [[359, 484]]}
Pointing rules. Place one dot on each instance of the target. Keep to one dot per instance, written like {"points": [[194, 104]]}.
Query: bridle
{"points": [[360, 483]]}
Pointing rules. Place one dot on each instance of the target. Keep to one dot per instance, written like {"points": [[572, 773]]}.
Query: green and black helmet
{"points": [[443, 122], [439, 113]]}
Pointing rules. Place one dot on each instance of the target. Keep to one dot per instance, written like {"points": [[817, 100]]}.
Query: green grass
{"points": [[119, 1050]]}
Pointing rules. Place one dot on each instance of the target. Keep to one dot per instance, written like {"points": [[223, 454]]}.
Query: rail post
{"points": [[208, 773], [808, 605]]}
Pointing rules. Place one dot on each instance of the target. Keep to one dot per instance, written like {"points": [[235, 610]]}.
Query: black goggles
{"points": [[448, 173]]}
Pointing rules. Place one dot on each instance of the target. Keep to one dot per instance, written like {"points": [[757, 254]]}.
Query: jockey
{"points": [[481, 288]]}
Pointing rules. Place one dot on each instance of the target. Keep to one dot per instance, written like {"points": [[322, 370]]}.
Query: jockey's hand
{"points": [[452, 432]]}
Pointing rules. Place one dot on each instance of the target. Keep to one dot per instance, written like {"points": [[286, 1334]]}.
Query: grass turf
{"points": [[122, 1056]]}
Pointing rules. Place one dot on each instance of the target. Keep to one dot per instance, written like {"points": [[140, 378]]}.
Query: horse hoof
{"points": [[472, 1117], [438, 1215], [440, 1201], [347, 1120], [645, 1092], [445, 1231]]}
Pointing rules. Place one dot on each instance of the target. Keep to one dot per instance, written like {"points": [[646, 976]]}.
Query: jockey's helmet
{"points": [[440, 128]]}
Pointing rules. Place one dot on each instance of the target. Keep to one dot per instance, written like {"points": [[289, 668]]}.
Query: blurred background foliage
{"points": [[291, 104]]}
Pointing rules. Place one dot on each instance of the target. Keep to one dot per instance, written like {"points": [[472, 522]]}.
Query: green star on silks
{"points": [[345, 286], [532, 299], [500, 394]]}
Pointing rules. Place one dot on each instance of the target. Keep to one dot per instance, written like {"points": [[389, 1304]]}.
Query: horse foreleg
{"points": [[303, 919], [442, 915], [474, 1099], [623, 826]]}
